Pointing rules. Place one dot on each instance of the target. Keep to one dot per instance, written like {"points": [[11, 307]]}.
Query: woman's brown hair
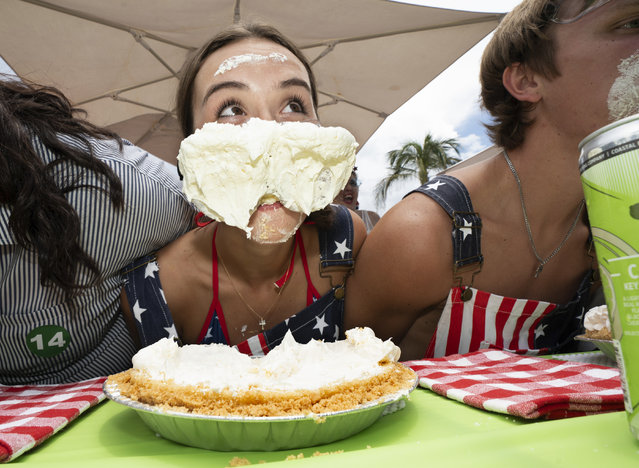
{"points": [[229, 35], [322, 218], [41, 217]]}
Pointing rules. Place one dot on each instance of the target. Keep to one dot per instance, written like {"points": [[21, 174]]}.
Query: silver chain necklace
{"points": [[542, 261]]}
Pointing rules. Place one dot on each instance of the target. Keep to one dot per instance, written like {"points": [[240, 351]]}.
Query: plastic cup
{"points": [[609, 166]]}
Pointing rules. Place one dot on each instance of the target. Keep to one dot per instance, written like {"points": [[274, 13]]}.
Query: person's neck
{"points": [[552, 193], [548, 167], [251, 261]]}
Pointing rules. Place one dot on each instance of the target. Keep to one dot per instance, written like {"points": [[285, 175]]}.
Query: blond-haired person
{"points": [[520, 266]]}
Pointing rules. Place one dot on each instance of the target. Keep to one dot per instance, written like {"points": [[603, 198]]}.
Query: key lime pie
{"points": [[597, 324], [293, 379]]}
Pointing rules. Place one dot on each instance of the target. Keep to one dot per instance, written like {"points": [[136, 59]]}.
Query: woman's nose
{"points": [[265, 113]]}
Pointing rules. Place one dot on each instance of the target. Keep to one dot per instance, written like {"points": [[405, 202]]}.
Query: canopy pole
{"points": [[236, 13]]}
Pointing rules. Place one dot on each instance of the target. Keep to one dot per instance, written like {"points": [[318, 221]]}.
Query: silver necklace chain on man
{"points": [[542, 261]]}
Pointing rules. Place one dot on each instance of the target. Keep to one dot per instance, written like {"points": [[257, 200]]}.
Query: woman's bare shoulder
{"points": [[186, 257]]}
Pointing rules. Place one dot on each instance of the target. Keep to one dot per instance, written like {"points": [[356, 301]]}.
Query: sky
{"points": [[448, 107]]}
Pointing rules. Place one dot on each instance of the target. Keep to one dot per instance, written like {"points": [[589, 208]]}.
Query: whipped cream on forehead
{"points": [[237, 60], [288, 367], [230, 170]]}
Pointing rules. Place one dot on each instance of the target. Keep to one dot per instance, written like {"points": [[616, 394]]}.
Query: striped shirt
{"points": [[44, 339]]}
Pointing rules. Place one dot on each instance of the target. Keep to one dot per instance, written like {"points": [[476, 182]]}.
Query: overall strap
{"points": [[336, 248], [336, 242], [451, 194]]}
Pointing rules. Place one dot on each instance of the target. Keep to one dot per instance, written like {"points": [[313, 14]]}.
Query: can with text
{"points": [[609, 167]]}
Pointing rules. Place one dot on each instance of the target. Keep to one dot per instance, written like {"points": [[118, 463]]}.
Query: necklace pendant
{"points": [[262, 324], [538, 270]]}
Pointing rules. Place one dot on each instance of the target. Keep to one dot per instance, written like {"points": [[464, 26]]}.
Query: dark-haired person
{"points": [[215, 284], [348, 197], [498, 254], [76, 205]]}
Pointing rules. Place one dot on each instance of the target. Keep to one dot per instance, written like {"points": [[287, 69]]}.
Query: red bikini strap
{"points": [[289, 272], [311, 292], [199, 223], [215, 303]]}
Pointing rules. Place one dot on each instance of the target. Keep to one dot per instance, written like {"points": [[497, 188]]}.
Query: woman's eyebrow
{"points": [[295, 82], [223, 85]]}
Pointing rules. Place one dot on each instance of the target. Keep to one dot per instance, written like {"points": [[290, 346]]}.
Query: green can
{"points": [[609, 167]]}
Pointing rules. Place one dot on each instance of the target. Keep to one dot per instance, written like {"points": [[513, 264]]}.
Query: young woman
{"points": [[214, 284]]}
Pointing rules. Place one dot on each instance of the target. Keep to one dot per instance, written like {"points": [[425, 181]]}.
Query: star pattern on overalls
{"points": [[341, 248], [466, 230], [435, 185]]}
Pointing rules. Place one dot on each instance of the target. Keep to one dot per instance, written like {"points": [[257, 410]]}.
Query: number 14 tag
{"points": [[48, 340]]}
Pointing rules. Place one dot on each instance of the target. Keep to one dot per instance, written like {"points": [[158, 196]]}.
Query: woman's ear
{"points": [[521, 83]]}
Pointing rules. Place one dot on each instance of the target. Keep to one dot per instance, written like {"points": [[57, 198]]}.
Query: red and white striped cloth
{"points": [[525, 386], [29, 414]]}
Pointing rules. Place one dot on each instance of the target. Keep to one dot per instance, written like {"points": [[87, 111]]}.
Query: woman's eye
{"points": [[294, 106], [231, 110]]}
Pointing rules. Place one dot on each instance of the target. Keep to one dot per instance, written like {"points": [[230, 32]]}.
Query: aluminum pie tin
{"points": [[605, 346], [230, 433]]}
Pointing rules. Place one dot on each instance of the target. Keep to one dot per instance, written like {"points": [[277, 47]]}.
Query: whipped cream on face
{"points": [[229, 170], [310, 164], [237, 60], [596, 319], [623, 97], [290, 366]]}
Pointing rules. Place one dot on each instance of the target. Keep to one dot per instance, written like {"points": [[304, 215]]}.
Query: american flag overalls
{"points": [[474, 319]]}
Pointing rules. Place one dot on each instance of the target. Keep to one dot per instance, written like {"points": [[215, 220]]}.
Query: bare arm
{"points": [[403, 269]]}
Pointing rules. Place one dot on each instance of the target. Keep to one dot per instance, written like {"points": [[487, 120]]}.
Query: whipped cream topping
{"points": [[290, 366], [596, 319], [623, 97], [237, 60], [230, 170]]}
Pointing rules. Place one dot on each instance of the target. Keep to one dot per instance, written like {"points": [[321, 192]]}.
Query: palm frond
{"points": [[415, 160]]}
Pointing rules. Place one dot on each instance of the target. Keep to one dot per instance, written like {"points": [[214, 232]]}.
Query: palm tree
{"points": [[415, 160]]}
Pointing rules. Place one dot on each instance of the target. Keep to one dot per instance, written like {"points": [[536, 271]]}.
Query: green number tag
{"points": [[48, 340]]}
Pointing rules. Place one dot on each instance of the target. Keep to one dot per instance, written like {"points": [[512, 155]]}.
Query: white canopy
{"points": [[121, 59]]}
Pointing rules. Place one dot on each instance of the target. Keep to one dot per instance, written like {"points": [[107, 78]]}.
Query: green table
{"points": [[430, 431]]}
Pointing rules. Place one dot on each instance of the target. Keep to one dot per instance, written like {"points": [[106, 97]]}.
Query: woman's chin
{"points": [[273, 224]]}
